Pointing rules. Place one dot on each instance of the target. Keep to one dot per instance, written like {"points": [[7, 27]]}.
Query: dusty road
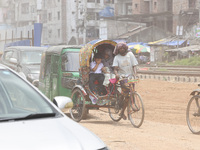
{"points": [[164, 126]]}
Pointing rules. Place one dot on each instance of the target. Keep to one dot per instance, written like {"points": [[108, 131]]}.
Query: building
{"points": [[170, 16], [80, 21], [71, 22]]}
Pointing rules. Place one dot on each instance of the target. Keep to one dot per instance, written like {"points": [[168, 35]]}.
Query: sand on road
{"points": [[164, 126]]}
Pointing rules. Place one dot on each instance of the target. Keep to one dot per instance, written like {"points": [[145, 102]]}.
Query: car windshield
{"points": [[19, 99], [31, 57], [70, 61]]}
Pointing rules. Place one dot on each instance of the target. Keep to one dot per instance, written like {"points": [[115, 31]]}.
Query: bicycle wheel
{"points": [[135, 110], [115, 109], [193, 114], [78, 111]]}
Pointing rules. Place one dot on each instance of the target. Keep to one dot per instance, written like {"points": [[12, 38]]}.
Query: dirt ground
{"points": [[164, 126]]}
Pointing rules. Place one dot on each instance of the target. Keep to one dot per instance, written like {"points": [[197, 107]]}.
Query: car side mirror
{"points": [[63, 102], [13, 60], [36, 83]]}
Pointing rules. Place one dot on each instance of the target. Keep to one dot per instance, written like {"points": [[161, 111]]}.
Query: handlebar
{"points": [[130, 79]]}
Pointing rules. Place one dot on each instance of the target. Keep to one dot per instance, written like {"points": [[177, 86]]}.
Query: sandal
{"points": [[123, 116]]}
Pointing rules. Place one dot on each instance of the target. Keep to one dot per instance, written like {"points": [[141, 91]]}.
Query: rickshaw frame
{"points": [[81, 92]]}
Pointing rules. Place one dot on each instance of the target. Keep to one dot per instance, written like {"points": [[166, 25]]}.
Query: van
{"points": [[24, 59]]}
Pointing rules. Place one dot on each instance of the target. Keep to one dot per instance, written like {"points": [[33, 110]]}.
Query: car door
{"points": [[69, 71], [54, 76]]}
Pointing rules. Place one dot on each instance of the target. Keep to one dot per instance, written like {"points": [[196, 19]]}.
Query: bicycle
{"points": [[193, 112], [135, 108]]}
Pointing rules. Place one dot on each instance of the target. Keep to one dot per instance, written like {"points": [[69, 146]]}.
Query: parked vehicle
{"points": [[28, 120], [24, 59], [59, 70]]}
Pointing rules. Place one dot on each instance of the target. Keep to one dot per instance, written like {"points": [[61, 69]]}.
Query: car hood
{"points": [[55, 133]]}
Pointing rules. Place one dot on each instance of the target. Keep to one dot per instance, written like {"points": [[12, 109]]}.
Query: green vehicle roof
{"points": [[58, 49]]}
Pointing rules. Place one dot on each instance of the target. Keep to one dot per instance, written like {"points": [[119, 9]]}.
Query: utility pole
{"points": [[77, 23], [199, 12], [84, 21]]}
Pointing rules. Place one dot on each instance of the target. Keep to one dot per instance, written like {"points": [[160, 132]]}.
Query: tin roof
{"points": [[185, 49]]}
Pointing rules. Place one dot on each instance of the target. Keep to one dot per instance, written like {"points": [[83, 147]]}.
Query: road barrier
{"points": [[173, 78]]}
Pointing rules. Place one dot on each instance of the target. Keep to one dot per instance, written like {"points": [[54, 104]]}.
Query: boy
{"points": [[96, 74]]}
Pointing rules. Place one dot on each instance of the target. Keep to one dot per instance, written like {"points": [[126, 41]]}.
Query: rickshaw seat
{"points": [[113, 81], [96, 82]]}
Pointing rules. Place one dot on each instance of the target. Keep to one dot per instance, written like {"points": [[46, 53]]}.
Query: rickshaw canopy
{"points": [[86, 51]]}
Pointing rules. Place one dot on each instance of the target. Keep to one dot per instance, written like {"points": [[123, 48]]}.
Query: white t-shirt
{"points": [[125, 63], [93, 64]]}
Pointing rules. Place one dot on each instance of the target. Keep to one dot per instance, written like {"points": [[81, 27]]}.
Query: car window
{"points": [[14, 55], [31, 57], [8, 55], [19, 97], [70, 61]]}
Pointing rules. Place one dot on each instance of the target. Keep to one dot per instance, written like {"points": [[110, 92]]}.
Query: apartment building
{"points": [[79, 21], [165, 14], [7, 16], [51, 18], [71, 22], [90, 18], [64, 21]]}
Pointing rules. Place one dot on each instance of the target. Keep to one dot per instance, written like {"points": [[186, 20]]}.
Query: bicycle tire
{"points": [[115, 110], [193, 114], [78, 111], [136, 111]]}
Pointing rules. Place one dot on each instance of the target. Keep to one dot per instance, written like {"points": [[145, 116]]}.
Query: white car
{"points": [[30, 121]]}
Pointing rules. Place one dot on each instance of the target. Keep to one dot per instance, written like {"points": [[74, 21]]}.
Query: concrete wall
{"points": [[157, 53], [137, 10], [171, 78], [190, 32], [149, 34], [25, 12], [179, 5], [151, 6], [53, 24], [111, 29]]}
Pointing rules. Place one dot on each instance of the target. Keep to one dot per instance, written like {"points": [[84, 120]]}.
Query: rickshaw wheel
{"points": [[78, 112], [116, 108]]}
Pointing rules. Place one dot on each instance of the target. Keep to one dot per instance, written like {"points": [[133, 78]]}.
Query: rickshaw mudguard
{"points": [[195, 92], [85, 55], [81, 88]]}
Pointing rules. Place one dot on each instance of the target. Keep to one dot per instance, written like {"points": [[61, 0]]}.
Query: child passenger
{"points": [[96, 74], [107, 69]]}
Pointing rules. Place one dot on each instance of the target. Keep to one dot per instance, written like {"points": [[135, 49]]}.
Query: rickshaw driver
{"points": [[124, 63]]}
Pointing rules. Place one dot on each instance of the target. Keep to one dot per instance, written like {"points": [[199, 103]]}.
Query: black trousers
{"points": [[100, 78]]}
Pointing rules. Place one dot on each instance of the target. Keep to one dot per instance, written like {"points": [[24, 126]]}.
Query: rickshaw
{"points": [[113, 100]]}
